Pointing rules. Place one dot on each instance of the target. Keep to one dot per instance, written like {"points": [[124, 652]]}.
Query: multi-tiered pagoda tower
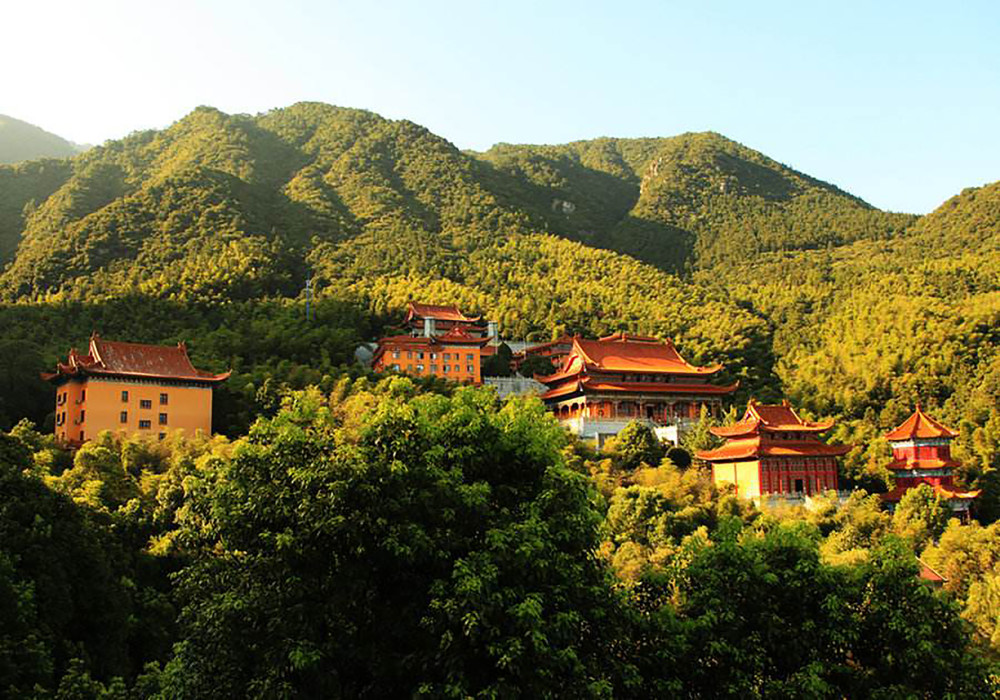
{"points": [[921, 454]]}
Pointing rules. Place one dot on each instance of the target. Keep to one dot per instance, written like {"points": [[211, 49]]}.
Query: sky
{"points": [[895, 102]]}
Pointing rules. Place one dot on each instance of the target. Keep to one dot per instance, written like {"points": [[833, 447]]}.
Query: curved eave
{"points": [[753, 450], [654, 388]]}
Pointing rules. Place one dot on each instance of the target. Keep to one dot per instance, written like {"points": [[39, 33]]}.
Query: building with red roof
{"points": [[921, 454], [601, 385], [130, 388], [772, 451], [439, 341]]}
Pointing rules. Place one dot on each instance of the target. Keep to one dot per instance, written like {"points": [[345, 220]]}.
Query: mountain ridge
{"points": [[22, 141]]}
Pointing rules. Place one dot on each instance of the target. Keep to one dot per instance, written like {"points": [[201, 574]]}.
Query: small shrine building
{"points": [[130, 388], [601, 385], [772, 451], [921, 454]]}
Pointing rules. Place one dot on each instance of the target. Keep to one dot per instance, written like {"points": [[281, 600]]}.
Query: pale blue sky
{"points": [[898, 103]]}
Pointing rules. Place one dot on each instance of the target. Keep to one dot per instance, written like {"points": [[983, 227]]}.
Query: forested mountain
{"points": [[799, 288], [20, 141], [396, 537]]}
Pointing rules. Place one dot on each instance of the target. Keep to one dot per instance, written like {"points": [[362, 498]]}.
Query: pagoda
{"points": [[438, 341], [130, 388], [772, 451], [601, 385], [921, 454]]}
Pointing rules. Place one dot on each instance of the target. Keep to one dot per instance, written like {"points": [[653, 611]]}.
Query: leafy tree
{"points": [[921, 516], [433, 545], [636, 444]]}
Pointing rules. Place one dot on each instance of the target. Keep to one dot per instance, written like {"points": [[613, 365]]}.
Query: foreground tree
{"points": [[428, 545]]}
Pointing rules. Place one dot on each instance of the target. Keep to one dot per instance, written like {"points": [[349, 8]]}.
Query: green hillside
{"points": [[799, 288], [20, 141], [694, 199]]}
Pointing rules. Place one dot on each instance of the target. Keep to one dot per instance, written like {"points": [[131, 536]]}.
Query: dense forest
{"points": [[383, 539], [207, 232]]}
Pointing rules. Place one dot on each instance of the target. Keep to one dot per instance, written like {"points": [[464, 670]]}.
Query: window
{"points": [[409, 354], [163, 419], [470, 369], [395, 354], [164, 399], [124, 396], [458, 368], [83, 416], [146, 403], [81, 436], [470, 357], [83, 395], [162, 435], [434, 369], [123, 417], [145, 425], [446, 356], [434, 356], [420, 368], [396, 367], [447, 369], [420, 355]]}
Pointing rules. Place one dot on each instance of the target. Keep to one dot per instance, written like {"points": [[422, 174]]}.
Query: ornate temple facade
{"points": [[438, 341], [771, 451], [921, 454], [602, 385], [130, 388]]}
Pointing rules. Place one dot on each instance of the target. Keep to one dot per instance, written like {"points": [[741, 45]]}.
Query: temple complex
{"points": [[921, 454], [771, 451], [601, 385], [130, 388], [439, 341]]}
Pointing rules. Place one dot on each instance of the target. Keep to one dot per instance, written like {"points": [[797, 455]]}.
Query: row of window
{"points": [[445, 369], [469, 357], [800, 463], [143, 424], [147, 403]]}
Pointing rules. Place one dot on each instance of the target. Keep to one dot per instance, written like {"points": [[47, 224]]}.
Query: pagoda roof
{"points": [[929, 574], [623, 352], [919, 425], [945, 492], [922, 464], [597, 386], [109, 357], [753, 448], [450, 338], [438, 313], [773, 418]]}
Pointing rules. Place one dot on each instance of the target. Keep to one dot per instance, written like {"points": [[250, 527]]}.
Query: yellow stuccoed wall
{"points": [[746, 476], [188, 408]]}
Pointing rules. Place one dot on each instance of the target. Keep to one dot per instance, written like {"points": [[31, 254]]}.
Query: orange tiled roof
{"points": [[770, 418], [631, 353], [920, 425], [439, 313], [598, 386], [108, 357], [945, 492], [918, 464], [929, 574], [751, 448]]}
